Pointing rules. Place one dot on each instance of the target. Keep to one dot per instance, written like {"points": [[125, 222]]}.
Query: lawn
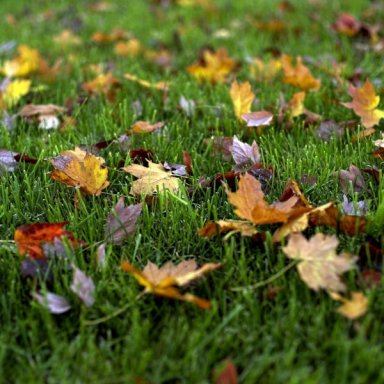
{"points": [[275, 329]]}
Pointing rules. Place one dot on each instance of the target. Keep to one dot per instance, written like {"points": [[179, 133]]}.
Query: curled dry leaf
{"points": [[166, 280], [319, 265], [242, 97], [213, 66], [298, 75], [257, 119], [145, 127], [82, 170], [353, 308], [122, 222], [364, 103], [151, 179], [30, 238], [160, 86], [55, 304], [213, 228], [45, 114], [353, 176], [243, 154], [83, 287]]}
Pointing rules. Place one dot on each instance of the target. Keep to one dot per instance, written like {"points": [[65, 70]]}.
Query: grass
{"points": [[296, 338]]}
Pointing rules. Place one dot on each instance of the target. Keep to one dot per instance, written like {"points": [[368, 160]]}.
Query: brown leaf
{"points": [[320, 267], [243, 154], [353, 176], [213, 228], [145, 127]]}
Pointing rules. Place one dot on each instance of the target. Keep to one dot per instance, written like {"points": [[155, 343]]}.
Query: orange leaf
{"points": [[29, 238], [165, 281], [364, 103], [298, 75]]}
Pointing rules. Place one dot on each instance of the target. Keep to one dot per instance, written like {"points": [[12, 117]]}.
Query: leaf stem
{"points": [[267, 281]]}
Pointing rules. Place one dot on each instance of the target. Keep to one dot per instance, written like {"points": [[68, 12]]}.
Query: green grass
{"points": [[298, 337]]}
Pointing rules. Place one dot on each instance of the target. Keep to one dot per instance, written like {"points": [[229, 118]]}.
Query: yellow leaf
{"points": [[166, 280], [25, 63], [242, 97], [80, 169], [151, 179], [352, 308], [161, 85], [15, 91]]}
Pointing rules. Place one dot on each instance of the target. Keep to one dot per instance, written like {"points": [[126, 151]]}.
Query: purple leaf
{"points": [[257, 119], [354, 176], [121, 222], [54, 303], [328, 128], [7, 160], [188, 106], [176, 169], [100, 255], [349, 208], [83, 287], [244, 154]]}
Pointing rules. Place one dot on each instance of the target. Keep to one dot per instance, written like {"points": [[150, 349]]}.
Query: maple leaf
{"points": [[105, 84], [319, 265], [166, 280], [213, 66], [250, 204], [213, 228], [298, 75], [30, 238], [151, 179], [82, 170], [242, 97], [364, 103], [352, 308], [121, 222]]}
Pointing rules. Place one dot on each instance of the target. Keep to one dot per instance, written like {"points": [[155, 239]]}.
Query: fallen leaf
{"points": [[145, 127], [45, 114], [265, 71], [27, 62], [213, 228], [213, 66], [350, 208], [14, 91], [83, 287], [227, 374], [166, 280], [160, 85], [54, 303], [188, 106], [151, 179], [329, 128], [364, 103], [298, 75], [7, 160], [30, 238], [67, 38], [319, 265], [82, 170], [242, 97], [244, 155], [121, 222], [352, 176], [352, 308], [130, 48], [105, 84], [257, 119]]}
